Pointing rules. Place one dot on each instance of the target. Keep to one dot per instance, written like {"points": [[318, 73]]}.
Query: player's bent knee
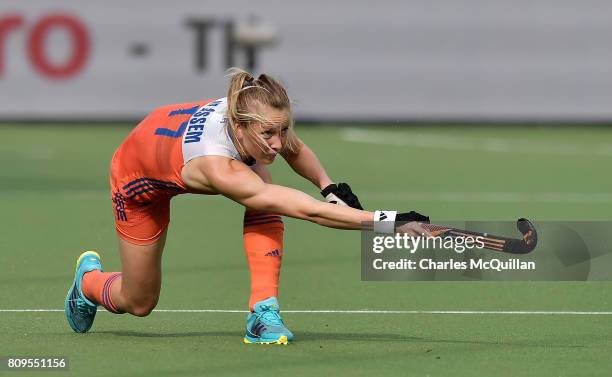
{"points": [[141, 311], [142, 308]]}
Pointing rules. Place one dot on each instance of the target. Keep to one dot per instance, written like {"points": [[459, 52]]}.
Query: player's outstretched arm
{"points": [[238, 182], [235, 180]]}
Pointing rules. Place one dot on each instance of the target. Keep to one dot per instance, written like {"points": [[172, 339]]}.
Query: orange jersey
{"points": [[146, 168]]}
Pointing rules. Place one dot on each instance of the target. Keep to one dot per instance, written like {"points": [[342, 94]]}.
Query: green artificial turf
{"points": [[54, 202]]}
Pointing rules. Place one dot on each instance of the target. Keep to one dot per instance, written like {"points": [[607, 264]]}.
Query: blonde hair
{"points": [[244, 93]]}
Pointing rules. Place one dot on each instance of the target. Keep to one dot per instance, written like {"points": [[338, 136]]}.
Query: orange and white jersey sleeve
{"points": [[208, 133]]}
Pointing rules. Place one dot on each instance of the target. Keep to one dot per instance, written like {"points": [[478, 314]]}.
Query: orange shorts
{"points": [[141, 222]]}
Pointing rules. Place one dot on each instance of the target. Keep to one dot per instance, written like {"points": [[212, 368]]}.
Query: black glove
{"points": [[341, 194], [407, 217], [389, 221], [411, 216]]}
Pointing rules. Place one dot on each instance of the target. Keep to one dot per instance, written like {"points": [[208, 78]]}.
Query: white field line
{"points": [[463, 143], [364, 311], [494, 197]]}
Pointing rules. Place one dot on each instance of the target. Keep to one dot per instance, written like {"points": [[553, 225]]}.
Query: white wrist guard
{"points": [[384, 221]]}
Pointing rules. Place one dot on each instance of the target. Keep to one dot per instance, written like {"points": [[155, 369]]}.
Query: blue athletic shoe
{"points": [[80, 312], [265, 325]]}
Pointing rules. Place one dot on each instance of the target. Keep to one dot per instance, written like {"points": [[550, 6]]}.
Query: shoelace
{"points": [[270, 317], [81, 306]]}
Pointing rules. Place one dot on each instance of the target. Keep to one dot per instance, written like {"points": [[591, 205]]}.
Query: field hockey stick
{"points": [[522, 245]]}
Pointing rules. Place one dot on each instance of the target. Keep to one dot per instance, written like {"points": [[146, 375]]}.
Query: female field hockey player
{"points": [[212, 147]]}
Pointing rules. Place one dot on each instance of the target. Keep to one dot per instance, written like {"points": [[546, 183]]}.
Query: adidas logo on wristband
{"points": [[384, 221]]}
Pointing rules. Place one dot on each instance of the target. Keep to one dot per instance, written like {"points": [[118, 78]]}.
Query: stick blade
{"points": [[527, 243]]}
